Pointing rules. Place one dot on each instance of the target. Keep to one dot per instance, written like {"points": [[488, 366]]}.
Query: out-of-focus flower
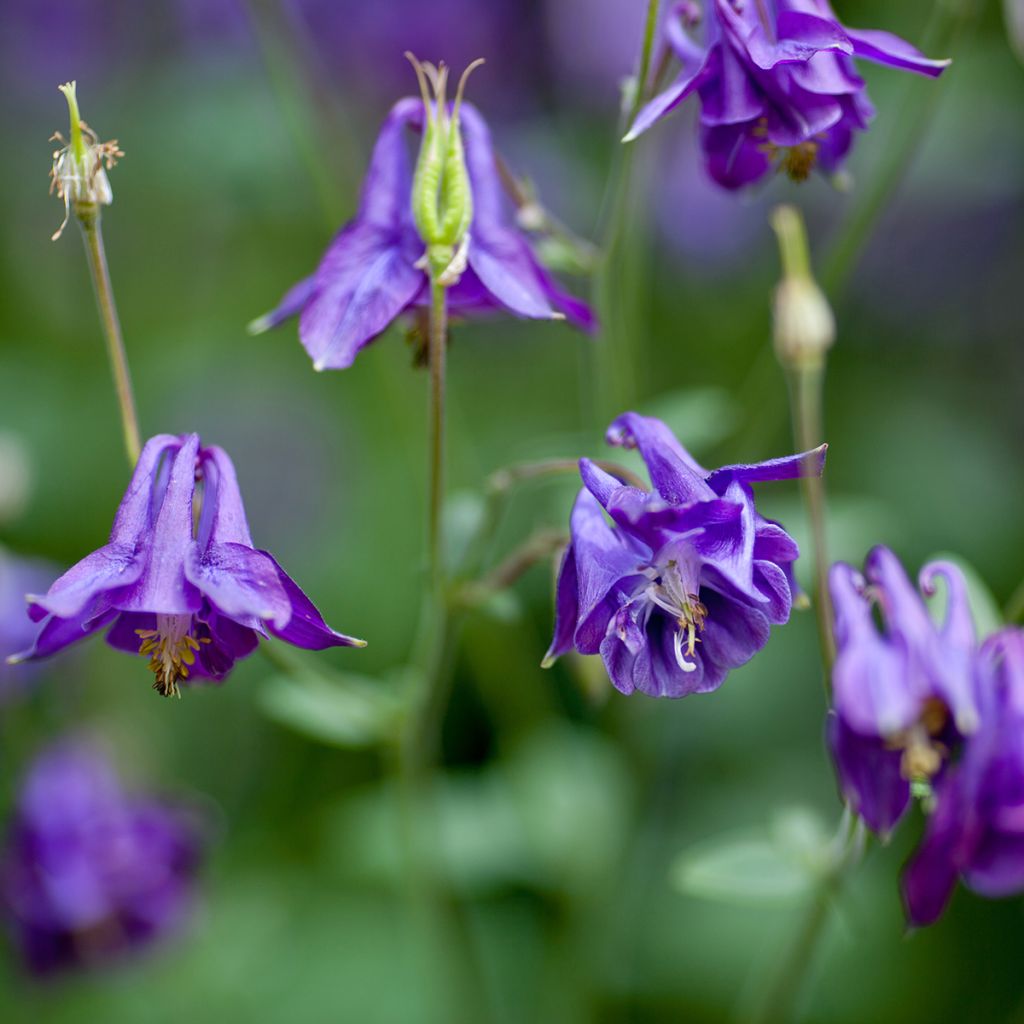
{"points": [[18, 577], [777, 84], [180, 581], [685, 582], [373, 271], [15, 476], [90, 873], [976, 831], [903, 695]]}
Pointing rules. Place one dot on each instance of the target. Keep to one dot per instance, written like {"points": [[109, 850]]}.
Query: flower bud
{"points": [[79, 171], [804, 328], [442, 197]]}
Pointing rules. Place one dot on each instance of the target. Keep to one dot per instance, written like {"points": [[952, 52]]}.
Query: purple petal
{"points": [[364, 281], [810, 463], [665, 102], [869, 776], [163, 587], [58, 633], [673, 471], [384, 201], [306, 627], [223, 519], [291, 304], [104, 571], [885, 48], [566, 608], [241, 583], [800, 37]]}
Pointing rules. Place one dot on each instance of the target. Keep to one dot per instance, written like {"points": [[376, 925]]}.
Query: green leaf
{"points": [[772, 866], [340, 710]]}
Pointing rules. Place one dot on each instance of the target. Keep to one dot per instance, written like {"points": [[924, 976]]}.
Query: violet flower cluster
{"points": [[776, 82], [373, 271], [920, 707], [179, 581], [90, 873], [685, 581]]}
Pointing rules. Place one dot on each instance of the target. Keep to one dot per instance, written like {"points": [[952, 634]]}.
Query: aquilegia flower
{"points": [[777, 84], [686, 580], [374, 270], [180, 581], [904, 695], [976, 830], [90, 873]]}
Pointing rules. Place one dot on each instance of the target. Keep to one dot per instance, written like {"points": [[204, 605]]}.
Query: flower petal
{"points": [[306, 627], [886, 48], [241, 583], [810, 463]]}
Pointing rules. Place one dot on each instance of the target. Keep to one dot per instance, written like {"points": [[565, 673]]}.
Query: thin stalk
{"points": [[949, 19], [781, 997], [437, 345], [806, 385], [644, 69], [1015, 606], [96, 256]]}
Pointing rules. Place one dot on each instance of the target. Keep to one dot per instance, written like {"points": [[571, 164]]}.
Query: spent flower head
{"points": [[79, 171]]}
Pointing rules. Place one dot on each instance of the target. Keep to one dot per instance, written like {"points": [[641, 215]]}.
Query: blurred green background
{"points": [[564, 806]]}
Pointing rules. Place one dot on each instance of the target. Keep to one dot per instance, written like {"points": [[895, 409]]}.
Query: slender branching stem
{"points": [[437, 350], [89, 217]]}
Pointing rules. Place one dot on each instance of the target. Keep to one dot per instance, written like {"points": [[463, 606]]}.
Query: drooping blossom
{"points": [[373, 271], [777, 84], [179, 581], [90, 873], [976, 831], [685, 581], [904, 694]]}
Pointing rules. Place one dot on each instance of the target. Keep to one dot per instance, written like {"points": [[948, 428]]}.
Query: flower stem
{"points": [[437, 345], [1015, 606], [89, 217], [644, 68], [806, 386]]}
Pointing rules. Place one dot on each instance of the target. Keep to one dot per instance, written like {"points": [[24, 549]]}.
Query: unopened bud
{"points": [[804, 327], [442, 197], [79, 171]]}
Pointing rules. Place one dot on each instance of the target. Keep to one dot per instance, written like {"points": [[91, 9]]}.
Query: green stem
{"points": [[89, 217], [780, 1000], [437, 345], [949, 18], [644, 69], [806, 385], [1015, 606]]}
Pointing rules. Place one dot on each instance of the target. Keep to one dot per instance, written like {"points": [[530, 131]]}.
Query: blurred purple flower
{"points": [[902, 696], [976, 831], [90, 873], [18, 577], [777, 84], [685, 582], [372, 272], [179, 580]]}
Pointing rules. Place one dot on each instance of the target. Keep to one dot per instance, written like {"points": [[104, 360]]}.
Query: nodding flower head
{"points": [[79, 171], [442, 195], [777, 84], [179, 581], [675, 586], [905, 691]]}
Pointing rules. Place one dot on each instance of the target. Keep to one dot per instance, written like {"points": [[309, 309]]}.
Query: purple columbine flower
{"points": [[90, 873], [685, 581], [976, 831], [777, 84], [903, 695], [373, 270], [180, 581]]}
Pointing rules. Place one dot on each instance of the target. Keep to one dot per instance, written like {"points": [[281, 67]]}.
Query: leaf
{"points": [[772, 866], [985, 608], [340, 710]]}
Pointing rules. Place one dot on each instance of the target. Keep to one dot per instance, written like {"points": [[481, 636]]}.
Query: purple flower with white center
{"points": [[686, 580], [373, 271], [777, 84], [904, 695], [976, 831], [90, 873], [180, 580]]}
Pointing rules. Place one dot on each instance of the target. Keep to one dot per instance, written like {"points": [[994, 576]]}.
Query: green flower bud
{"points": [[442, 197], [804, 327], [79, 171]]}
